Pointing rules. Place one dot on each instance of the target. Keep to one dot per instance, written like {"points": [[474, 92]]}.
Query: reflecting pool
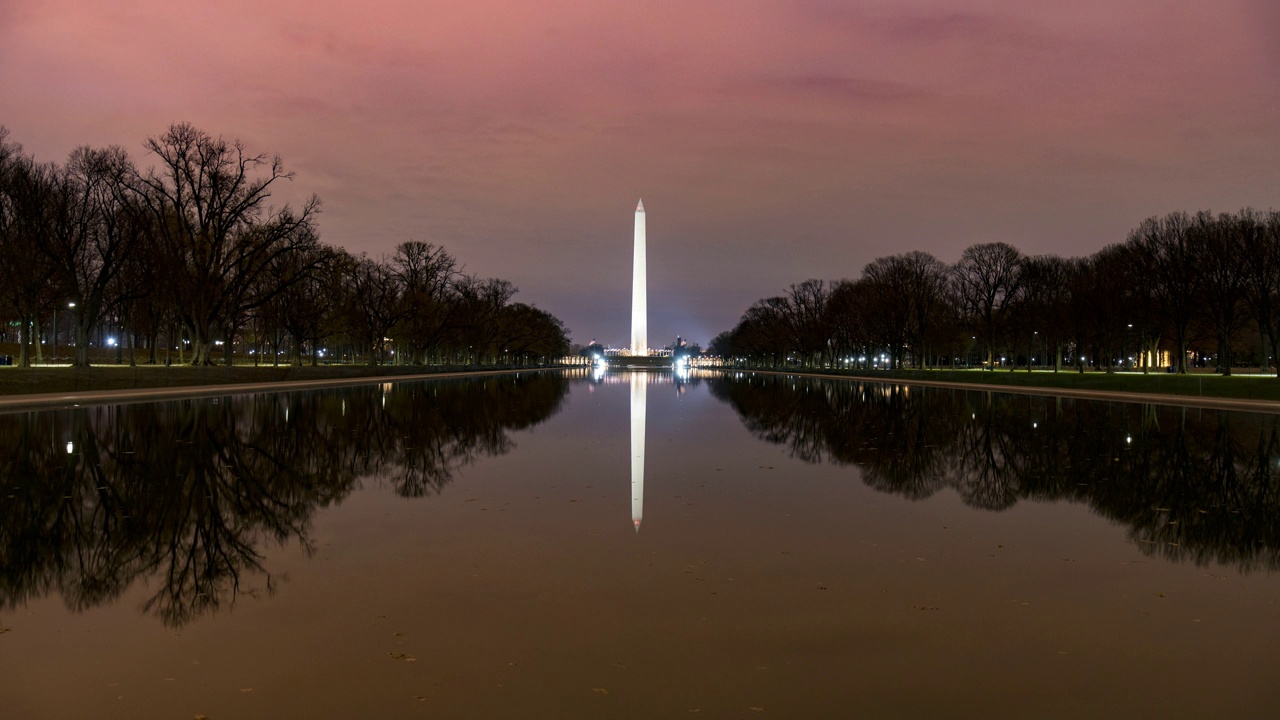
{"points": [[638, 545]]}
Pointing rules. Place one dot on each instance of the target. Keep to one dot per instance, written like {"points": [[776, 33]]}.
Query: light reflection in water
{"points": [[639, 386]]}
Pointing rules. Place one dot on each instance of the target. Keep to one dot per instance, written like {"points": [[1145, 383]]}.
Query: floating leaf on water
{"points": [[600, 691]]}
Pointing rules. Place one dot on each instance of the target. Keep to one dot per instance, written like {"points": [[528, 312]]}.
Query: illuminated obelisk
{"points": [[639, 292], [639, 385]]}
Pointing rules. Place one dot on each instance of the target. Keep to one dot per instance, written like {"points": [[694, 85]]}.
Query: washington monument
{"points": [[639, 294]]}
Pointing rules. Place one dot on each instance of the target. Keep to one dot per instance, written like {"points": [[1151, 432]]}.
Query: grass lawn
{"points": [[15, 380], [1252, 386]]}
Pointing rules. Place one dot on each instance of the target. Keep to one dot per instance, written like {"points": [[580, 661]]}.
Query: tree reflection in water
{"points": [[187, 493], [1188, 484]]}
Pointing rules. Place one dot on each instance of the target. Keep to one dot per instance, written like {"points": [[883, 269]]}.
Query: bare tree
{"points": [[1219, 244], [524, 330], [96, 226], [376, 304], [930, 301], [1102, 285], [305, 299], [1043, 310], [1169, 264], [762, 332], [425, 273], [804, 312], [480, 305], [1260, 234], [910, 292], [844, 319], [209, 199], [26, 274], [886, 306], [988, 280]]}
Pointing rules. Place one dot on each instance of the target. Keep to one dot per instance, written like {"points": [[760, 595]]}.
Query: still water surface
{"points": [[632, 546]]}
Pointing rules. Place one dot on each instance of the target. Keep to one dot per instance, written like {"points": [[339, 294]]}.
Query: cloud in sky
{"points": [[772, 142]]}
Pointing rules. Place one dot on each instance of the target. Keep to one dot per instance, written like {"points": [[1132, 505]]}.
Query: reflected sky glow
{"points": [[813, 547]]}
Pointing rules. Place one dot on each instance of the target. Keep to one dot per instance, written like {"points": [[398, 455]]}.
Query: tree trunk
{"points": [[228, 348], [81, 358], [1225, 360], [1275, 347], [24, 345]]}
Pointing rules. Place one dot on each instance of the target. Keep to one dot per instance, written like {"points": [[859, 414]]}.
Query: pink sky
{"points": [[771, 142]]}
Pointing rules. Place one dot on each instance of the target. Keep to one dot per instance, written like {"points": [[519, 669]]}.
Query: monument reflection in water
{"points": [[639, 388]]}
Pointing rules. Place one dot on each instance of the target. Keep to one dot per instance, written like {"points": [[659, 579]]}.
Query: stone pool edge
{"points": [[1198, 401], [37, 401]]}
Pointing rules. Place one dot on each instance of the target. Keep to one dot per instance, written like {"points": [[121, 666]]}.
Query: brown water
{"points": [[806, 549]]}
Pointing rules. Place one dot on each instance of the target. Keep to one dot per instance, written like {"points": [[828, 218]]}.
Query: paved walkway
{"points": [[133, 395], [99, 397], [1201, 401]]}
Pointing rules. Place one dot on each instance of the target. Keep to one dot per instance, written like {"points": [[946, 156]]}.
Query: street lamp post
{"points": [[54, 359], [74, 341]]}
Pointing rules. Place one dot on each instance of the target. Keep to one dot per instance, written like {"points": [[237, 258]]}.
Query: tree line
{"points": [[1184, 288], [190, 255]]}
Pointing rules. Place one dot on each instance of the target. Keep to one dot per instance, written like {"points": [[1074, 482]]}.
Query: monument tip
{"points": [[640, 206]]}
